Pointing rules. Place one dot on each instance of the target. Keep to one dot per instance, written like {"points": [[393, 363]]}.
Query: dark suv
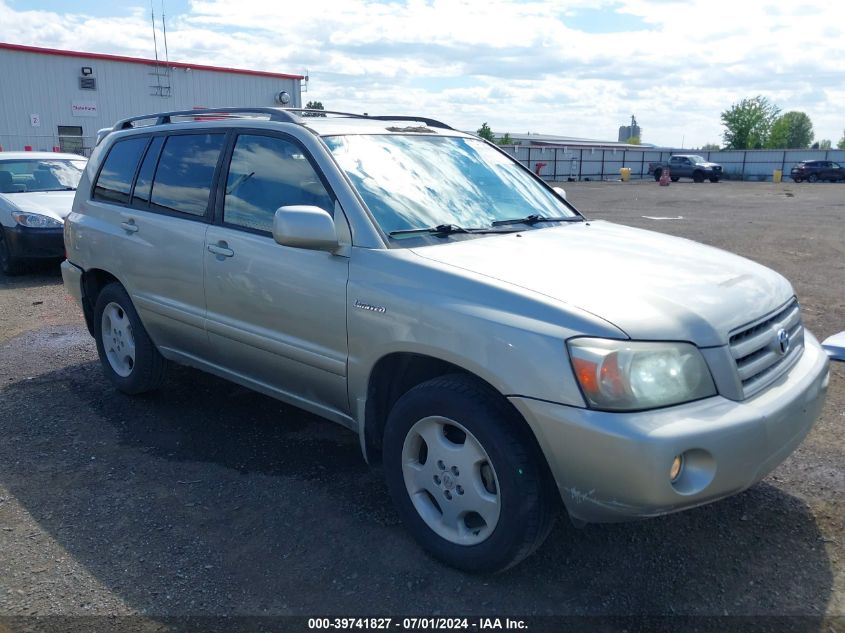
{"points": [[815, 170]]}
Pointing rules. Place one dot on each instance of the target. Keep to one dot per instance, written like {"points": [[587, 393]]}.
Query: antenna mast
{"points": [[155, 43], [153, 20], [164, 28]]}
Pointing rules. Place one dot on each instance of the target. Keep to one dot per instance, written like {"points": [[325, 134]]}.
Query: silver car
{"points": [[501, 355]]}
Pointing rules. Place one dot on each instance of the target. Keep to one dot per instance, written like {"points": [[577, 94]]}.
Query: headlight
{"points": [[631, 375], [35, 220]]}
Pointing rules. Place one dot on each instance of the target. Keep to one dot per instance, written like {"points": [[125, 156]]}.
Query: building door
{"points": [[70, 139]]}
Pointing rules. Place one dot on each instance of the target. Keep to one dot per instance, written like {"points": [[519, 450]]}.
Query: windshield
{"points": [[48, 174], [411, 182], [697, 159]]}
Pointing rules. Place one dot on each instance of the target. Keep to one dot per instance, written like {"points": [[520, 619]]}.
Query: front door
{"points": [[276, 315]]}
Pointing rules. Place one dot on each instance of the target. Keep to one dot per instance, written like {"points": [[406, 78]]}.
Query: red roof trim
{"points": [[141, 60]]}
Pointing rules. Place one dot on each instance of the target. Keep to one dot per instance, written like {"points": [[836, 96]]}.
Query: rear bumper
{"points": [[72, 278], [615, 466], [27, 243]]}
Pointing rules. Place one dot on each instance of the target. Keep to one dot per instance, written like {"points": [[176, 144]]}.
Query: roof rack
{"points": [[285, 115], [384, 117], [162, 118]]}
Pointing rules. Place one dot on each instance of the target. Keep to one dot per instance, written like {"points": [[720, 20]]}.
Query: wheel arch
{"points": [[393, 375], [93, 282]]}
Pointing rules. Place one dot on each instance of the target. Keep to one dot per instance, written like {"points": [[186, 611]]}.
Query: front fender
{"points": [[508, 336]]}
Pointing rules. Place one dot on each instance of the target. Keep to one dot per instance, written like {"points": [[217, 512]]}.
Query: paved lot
{"points": [[210, 499]]}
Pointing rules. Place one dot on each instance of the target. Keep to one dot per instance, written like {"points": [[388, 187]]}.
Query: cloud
{"points": [[540, 65]]}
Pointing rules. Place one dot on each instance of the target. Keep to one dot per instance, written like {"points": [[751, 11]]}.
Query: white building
{"points": [[56, 100]]}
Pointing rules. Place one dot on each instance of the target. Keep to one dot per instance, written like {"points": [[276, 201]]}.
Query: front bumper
{"points": [[27, 243], [615, 466]]}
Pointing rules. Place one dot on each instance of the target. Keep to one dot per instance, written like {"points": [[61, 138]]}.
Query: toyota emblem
{"points": [[783, 341]]}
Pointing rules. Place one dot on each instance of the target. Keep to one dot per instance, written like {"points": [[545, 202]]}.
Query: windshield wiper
{"points": [[443, 229], [534, 219]]}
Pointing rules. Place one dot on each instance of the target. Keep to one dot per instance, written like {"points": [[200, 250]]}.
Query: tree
{"points": [[633, 140], [711, 147], [486, 133], [505, 140], [792, 130], [841, 143], [314, 105], [747, 123], [825, 143]]}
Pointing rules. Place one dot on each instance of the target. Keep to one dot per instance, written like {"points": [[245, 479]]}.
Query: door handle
{"points": [[220, 249], [129, 226]]}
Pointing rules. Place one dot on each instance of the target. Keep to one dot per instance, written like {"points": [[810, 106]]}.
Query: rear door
{"points": [[157, 222], [276, 314]]}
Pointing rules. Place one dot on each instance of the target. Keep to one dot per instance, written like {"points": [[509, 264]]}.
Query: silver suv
{"points": [[496, 351]]}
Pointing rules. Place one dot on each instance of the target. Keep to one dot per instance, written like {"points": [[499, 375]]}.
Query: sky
{"points": [[568, 67]]}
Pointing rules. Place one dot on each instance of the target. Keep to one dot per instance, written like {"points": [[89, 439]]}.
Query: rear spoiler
{"points": [[102, 133]]}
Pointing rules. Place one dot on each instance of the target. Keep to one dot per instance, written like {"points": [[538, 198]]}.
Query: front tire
{"points": [[10, 265], [812, 178], [714, 179], [129, 358], [466, 475], [797, 178]]}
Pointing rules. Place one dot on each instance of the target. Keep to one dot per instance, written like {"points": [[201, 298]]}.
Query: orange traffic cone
{"points": [[664, 177]]}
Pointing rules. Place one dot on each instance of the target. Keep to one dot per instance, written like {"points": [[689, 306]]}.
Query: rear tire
{"points": [[466, 475], [129, 358], [697, 176], [657, 174], [10, 265], [674, 178]]}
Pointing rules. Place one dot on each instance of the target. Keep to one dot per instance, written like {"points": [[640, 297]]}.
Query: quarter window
{"points": [[115, 180], [185, 171], [267, 173]]}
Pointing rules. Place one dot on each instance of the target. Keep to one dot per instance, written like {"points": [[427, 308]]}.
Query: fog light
{"points": [[677, 467]]}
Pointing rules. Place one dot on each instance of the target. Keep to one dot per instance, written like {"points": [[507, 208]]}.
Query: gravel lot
{"points": [[207, 498]]}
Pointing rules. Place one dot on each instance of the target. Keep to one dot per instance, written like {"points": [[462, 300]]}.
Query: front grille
{"points": [[756, 349]]}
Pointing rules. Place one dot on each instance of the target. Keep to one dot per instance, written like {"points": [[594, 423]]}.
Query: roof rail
{"points": [[385, 117], [285, 115], [427, 121], [162, 118]]}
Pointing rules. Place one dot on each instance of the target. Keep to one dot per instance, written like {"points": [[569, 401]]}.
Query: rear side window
{"points": [[115, 179], [182, 182]]}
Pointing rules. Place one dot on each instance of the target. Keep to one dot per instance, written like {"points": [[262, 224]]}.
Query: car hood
{"points": [[708, 164], [53, 204], [650, 285]]}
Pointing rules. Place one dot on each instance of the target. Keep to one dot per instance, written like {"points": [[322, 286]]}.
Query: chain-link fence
{"points": [[574, 163], [71, 144]]}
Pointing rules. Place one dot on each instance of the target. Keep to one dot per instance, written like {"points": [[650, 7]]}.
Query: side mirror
{"points": [[560, 191], [304, 226], [835, 346]]}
